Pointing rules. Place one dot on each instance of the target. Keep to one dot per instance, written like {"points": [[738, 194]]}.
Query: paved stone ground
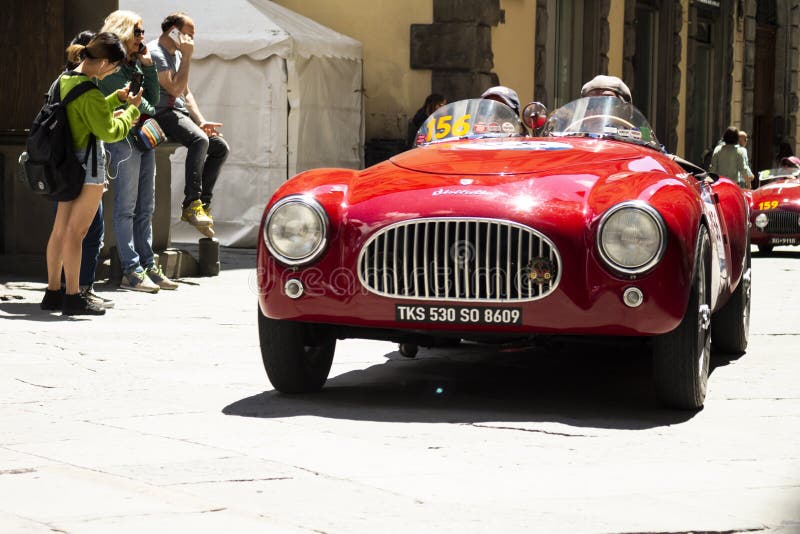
{"points": [[158, 417]]}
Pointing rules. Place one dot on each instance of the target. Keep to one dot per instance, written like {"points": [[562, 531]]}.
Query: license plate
{"points": [[495, 315], [783, 240]]}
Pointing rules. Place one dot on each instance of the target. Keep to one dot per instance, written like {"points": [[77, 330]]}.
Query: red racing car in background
{"points": [[775, 209], [486, 234]]}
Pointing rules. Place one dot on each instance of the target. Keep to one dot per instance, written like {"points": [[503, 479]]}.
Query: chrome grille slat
{"points": [[782, 222], [453, 259]]}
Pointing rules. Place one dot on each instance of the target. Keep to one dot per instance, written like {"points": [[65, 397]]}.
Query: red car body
{"points": [[562, 194], [775, 210], [553, 191]]}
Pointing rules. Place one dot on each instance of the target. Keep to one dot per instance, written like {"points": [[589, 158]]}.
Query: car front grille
{"points": [[782, 222], [450, 259]]}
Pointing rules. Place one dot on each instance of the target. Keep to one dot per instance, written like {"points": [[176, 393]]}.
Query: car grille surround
{"points": [[460, 260], [782, 222]]}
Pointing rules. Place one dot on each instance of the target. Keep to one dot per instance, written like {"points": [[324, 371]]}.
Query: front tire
{"points": [[765, 249], [681, 357], [297, 356], [731, 325]]}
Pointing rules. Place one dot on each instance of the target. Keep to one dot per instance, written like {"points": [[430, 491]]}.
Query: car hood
{"points": [[544, 181], [513, 155]]}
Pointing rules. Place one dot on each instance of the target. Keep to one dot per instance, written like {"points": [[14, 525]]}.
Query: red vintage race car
{"points": [[775, 209], [485, 234]]}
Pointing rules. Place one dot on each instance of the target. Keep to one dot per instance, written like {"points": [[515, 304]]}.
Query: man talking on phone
{"points": [[181, 119]]}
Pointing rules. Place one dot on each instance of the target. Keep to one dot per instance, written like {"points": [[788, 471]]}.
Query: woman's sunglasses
{"points": [[138, 32]]}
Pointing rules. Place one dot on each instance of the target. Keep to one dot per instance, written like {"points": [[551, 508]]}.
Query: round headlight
{"points": [[295, 230], [632, 237], [762, 220]]}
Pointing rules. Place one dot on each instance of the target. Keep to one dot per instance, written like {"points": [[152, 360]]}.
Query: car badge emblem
{"points": [[540, 270], [466, 181]]}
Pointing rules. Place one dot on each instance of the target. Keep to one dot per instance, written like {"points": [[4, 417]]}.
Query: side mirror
{"points": [[534, 116]]}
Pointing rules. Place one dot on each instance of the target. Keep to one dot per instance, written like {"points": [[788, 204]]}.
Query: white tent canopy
{"points": [[288, 91]]}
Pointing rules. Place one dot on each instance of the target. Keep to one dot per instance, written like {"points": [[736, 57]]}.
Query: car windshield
{"points": [[770, 175], [469, 119], [601, 117]]}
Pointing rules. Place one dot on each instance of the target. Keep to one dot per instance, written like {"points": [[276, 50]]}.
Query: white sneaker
{"points": [[160, 279], [96, 299], [138, 281]]}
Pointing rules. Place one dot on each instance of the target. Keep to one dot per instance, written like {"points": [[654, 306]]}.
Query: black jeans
{"points": [[204, 158]]}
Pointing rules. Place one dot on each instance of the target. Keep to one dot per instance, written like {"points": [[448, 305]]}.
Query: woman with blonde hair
{"points": [[90, 120], [133, 167]]}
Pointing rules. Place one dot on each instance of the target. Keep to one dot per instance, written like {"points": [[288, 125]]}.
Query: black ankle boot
{"points": [[53, 300], [78, 304]]}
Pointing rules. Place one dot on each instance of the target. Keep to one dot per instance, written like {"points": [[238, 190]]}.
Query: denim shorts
{"points": [[100, 179]]}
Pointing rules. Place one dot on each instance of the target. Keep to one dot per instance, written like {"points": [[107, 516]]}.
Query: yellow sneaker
{"points": [[195, 215]]}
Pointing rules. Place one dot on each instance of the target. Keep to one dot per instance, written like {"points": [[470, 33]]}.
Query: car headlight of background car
{"points": [[762, 220], [632, 237], [296, 229]]}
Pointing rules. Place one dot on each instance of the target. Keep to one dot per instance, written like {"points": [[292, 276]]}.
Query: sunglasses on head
{"points": [[138, 32]]}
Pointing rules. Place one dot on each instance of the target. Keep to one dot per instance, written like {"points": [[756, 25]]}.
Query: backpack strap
{"points": [[78, 90], [74, 93]]}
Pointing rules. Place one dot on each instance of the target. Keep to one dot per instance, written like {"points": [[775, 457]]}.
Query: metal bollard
{"points": [[208, 256]]}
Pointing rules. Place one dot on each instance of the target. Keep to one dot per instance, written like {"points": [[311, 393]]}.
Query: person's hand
{"points": [[210, 128], [135, 100], [122, 94], [118, 112], [146, 58], [186, 45]]}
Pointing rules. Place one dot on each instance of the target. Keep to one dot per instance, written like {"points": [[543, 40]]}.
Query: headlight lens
{"points": [[762, 220], [295, 230], [632, 237]]}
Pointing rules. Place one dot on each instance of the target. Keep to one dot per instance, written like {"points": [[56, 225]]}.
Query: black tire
{"points": [[730, 326], [765, 249], [296, 356], [681, 357]]}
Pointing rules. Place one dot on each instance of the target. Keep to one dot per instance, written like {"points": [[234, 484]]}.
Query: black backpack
{"points": [[51, 167]]}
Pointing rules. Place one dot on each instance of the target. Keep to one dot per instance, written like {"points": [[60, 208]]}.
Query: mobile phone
{"points": [[142, 49], [136, 83], [175, 35]]}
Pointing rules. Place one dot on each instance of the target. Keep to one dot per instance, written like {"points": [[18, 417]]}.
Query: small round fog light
{"points": [[293, 288], [762, 220], [632, 297]]}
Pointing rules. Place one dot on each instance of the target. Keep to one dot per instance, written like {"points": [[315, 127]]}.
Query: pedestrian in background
{"points": [[432, 102], [93, 241], [133, 169], [88, 115], [180, 118], [728, 159], [743, 148]]}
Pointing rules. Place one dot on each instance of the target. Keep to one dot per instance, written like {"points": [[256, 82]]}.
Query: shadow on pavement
{"points": [[777, 253], [579, 386], [30, 311]]}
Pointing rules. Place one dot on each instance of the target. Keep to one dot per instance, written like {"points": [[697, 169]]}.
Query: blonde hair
{"points": [[121, 23]]}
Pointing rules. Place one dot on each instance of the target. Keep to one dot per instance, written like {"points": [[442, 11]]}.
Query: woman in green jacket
{"points": [[90, 113]]}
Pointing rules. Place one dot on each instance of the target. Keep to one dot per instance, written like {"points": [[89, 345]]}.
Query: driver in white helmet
{"points": [[504, 95], [602, 85]]}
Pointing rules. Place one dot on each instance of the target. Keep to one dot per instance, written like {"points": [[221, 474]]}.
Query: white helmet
{"points": [[503, 94]]}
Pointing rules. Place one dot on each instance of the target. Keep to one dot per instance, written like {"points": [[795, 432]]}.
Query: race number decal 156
{"points": [[445, 126]]}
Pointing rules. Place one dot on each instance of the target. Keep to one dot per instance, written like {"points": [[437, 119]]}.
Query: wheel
{"points": [[612, 117], [297, 356], [765, 249], [681, 357], [731, 324], [409, 350]]}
